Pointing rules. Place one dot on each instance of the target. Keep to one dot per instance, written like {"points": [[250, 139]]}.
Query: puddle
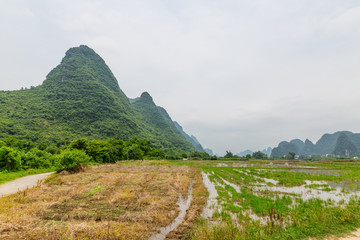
{"points": [[212, 202], [236, 187], [309, 182], [306, 193], [319, 172], [267, 180], [222, 165], [184, 205], [292, 166], [347, 186], [243, 165]]}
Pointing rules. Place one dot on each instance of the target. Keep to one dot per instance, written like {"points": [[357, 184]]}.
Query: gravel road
{"points": [[22, 183]]}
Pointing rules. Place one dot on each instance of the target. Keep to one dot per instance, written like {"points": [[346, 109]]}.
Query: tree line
{"points": [[18, 154]]}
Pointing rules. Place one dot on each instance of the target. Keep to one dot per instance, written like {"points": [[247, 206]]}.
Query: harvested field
{"points": [[139, 199], [114, 201]]}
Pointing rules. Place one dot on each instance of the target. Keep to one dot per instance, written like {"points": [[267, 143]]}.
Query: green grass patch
{"points": [[93, 190]]}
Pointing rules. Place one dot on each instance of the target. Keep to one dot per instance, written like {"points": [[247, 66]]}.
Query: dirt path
{"points": [[22, 183], [353, 236]]}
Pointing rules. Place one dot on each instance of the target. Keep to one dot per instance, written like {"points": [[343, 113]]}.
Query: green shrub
{"points": [[135, 153], [52, 150], [72, 160], [36, 158], [9, 159]]}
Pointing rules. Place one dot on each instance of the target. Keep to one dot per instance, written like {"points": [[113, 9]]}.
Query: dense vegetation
{"points": [[22, 155], [81, 98]]}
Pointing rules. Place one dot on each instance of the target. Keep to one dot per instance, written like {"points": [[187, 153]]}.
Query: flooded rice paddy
{"points": [[277, 199]]}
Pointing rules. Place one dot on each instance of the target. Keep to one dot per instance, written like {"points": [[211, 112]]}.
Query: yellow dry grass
{"points": [[104, 202]]}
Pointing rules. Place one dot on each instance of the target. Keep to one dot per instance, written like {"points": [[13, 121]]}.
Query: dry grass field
{"points": [[115, 201]]}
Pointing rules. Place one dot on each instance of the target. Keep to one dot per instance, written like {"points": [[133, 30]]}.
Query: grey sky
{"points": [[236, 74]]}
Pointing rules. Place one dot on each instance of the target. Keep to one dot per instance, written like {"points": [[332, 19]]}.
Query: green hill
{"points": [[344, 146], [190, 139], [82, 98], [155, 123], [342, 143]]}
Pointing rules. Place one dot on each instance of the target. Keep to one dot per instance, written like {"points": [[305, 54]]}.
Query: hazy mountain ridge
{"points": [[190, 139], [81, 98], [342, 143], [266, 151]]}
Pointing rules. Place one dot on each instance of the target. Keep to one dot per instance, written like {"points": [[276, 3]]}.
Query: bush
{"points": [[259, 155], [9, 159], [52, 150], [36, 158], [72, 160], [135, 153]]}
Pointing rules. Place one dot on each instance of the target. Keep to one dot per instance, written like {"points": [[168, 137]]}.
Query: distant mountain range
{"points": [[81, 98], [209, 151], [266, 151], [191, 139], [342, 143]]}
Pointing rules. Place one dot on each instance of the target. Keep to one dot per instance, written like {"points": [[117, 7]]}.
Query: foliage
{"points": [[9, 159], [71, 160], [36, 158], [135, 153], [290, 156], [259, 155], [228, 154], [114, 150], [201, 155]]}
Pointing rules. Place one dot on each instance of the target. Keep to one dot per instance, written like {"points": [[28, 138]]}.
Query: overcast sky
{"points": [[236, 74]]}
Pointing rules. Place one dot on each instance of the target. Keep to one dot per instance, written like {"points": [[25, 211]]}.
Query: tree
{"points": [[36, 158], [259, 155], [72, 160], [290, 156], [228, 154], [9, 159], [135, 153]]}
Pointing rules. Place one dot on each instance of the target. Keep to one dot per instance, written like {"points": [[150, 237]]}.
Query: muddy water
{"points": [[267, 180], [184, 205], [236, 187], [306, 193], [212, 202], [318, 172]]}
